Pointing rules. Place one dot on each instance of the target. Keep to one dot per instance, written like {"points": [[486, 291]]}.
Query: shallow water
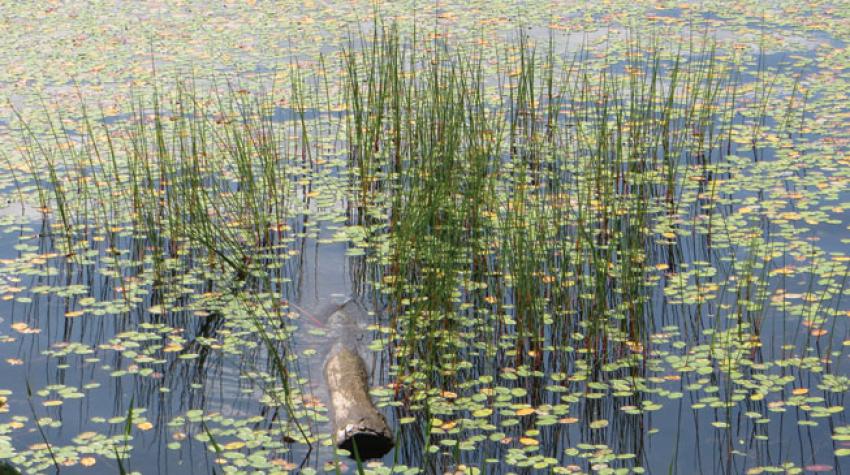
{"points": [[228, 386]]}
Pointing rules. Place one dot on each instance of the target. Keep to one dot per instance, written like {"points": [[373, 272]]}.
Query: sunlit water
{"points": [[677, 438]]}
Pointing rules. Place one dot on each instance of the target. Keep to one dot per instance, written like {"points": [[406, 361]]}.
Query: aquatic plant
{"points": [[553, 248]]}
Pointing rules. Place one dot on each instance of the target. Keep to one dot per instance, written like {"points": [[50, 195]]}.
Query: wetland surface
{"points": [[585, 238]]}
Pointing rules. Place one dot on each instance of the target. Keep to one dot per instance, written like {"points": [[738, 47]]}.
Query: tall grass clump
{"points": [[554, 187], [528, 206], [189, 180]]}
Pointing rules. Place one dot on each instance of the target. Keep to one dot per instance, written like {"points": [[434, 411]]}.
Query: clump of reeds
{"points": [[548, 194]]}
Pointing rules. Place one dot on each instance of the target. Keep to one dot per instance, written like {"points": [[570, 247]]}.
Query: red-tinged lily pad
{"points": [[818, 468]]}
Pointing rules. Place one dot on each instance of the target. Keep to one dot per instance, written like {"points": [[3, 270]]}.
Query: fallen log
{"points": [[358, 427]]}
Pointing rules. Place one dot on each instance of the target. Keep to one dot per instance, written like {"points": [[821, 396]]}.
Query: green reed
{"points": [[530, 207]]}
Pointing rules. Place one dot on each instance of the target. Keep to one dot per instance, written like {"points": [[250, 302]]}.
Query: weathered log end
{"points": [[369, 445], [356, 421]]}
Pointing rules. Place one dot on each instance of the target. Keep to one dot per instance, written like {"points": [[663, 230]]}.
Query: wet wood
{"points": [[357, 424]]}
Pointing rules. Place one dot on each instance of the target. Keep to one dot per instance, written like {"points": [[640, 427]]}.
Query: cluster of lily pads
{"points": [[576, 260]]}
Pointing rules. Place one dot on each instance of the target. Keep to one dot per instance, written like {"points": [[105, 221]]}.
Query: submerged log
{"points": [[357, 424]]}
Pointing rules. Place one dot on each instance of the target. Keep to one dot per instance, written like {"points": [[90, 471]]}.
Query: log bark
{"points": [[357, 424]]}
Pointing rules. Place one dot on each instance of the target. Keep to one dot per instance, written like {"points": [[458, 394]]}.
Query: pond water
{"points": [[215, 383], [131, 347]]}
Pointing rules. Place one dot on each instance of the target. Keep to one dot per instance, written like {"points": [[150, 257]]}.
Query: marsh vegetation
{"points": [[614, 256]]}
